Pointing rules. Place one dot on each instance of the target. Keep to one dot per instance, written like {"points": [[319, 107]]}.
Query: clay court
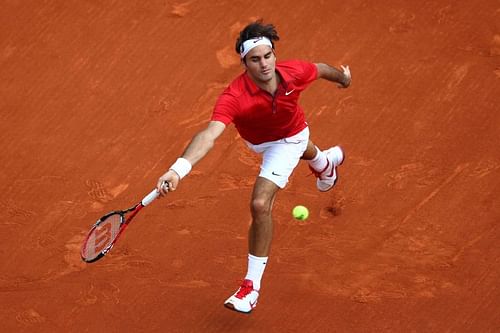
{"points": [[98, 99]]}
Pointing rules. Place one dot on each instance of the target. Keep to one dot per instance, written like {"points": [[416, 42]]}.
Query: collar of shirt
{"points": [[254, 89]]}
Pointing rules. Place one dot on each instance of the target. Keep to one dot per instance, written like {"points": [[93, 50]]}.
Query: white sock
{"points": [[256, 267], [319, 162]]}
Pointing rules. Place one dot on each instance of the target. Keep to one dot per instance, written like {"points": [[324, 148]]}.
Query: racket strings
{"points": [[102, 236]]}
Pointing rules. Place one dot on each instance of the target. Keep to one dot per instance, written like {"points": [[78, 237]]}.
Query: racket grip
{"points": [[150, 197]]}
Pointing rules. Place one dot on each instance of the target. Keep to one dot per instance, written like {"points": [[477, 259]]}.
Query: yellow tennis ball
{"points": [[300, 212]]}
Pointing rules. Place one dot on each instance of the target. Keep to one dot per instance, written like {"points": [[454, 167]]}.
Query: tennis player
{"points": [[262, 103]]}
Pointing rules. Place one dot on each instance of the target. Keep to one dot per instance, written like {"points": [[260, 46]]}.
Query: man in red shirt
{"points": [[262, 103]]}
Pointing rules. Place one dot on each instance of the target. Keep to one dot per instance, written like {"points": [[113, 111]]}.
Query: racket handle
{"points": [[150, 197]]}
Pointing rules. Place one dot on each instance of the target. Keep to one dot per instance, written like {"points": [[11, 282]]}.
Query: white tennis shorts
{"points": [[280, 157]]}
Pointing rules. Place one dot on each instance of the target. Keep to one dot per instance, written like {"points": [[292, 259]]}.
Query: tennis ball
{"points": [[300, 213]]}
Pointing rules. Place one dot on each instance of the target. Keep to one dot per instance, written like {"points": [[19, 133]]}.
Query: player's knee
{"points": [[260, 207]]}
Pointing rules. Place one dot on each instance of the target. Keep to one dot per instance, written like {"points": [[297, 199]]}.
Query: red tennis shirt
{"points": [[258, 116]]}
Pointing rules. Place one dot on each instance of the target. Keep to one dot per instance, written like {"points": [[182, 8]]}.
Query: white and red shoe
{"points": [[245, 299], [327, 177]]}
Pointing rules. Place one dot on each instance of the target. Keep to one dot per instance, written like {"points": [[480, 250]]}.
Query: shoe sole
{"points": [[343, 155], [342, 161], [230, 306]]}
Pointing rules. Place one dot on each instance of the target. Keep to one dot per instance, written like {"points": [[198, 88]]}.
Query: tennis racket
{"points": [[106, 231]]}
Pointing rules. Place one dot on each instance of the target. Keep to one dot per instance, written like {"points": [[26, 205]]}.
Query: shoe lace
{"points": [[245, 289]]}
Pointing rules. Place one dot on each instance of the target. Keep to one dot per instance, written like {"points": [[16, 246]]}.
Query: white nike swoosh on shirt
{"points": [[289, 92]]}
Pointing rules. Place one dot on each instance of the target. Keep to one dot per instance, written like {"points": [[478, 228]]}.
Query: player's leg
{"points": [[324, 164], [279, 160], [260, 233], [311, 151]]}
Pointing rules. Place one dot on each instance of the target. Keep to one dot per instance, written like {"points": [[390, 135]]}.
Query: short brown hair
{"points": [[254, 30]]}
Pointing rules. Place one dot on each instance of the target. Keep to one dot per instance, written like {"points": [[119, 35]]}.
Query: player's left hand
{"points": [[347, 77]]}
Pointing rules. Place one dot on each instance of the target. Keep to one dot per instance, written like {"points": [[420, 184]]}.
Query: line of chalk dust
{"points": [[458, 171]]}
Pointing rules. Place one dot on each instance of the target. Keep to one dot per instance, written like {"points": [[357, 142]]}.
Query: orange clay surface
{"points": [[98, 98]]}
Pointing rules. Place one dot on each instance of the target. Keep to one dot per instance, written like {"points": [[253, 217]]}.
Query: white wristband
{"points": [[181, 167]]}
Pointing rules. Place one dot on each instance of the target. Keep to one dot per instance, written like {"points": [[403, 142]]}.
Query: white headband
{"points": [[251, 43]]}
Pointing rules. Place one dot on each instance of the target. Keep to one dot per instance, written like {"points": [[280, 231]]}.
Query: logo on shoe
{"points": [[252, 305]]}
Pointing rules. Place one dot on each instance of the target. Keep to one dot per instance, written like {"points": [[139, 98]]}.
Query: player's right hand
{"points": [[168, 182], [347, 76]]}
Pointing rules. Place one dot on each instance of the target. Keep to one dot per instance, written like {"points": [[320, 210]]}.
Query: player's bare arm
{"points": [[203, 142], [341, 77], [199, 146]]}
